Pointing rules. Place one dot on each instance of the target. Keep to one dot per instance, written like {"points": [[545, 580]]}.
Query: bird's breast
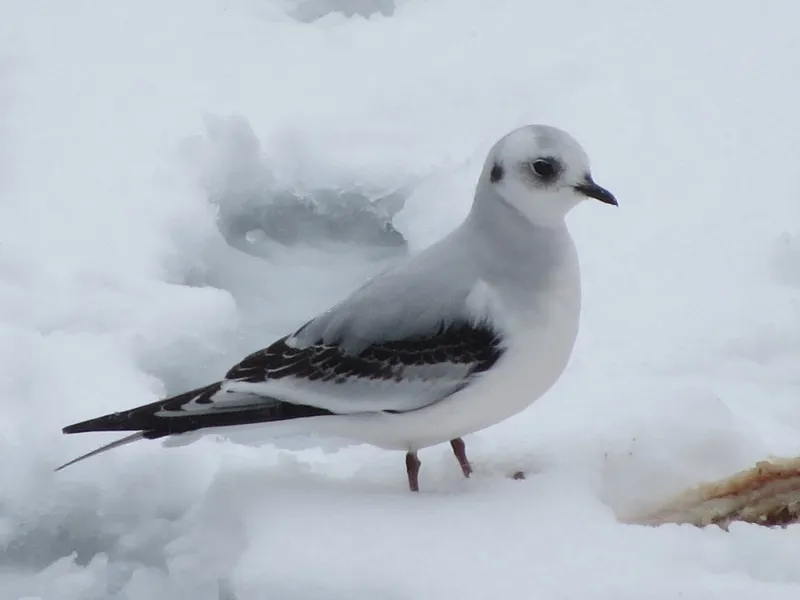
{"points": [[541, 332]]}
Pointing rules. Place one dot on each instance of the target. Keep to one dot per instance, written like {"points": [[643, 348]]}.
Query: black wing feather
{"points": [[460, 344], [476, 346]]}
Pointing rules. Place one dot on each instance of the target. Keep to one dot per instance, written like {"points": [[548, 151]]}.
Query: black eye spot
{"points": [[544, 169], [496, 173]]}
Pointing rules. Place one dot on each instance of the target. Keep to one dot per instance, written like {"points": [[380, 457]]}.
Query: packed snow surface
{"points": [[182, 182]]}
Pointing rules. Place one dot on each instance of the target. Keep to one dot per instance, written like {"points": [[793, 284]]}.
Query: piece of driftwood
{"points": [[768, 494]]}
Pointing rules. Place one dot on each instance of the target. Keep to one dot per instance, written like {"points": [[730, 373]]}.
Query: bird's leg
{"points": [[412, 469], [459, 449]]}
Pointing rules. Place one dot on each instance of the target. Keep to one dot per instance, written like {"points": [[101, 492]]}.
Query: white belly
{"points": [[541, 340]]}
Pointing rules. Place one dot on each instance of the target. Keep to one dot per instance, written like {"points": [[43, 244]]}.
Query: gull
{"points": [[461, 336]]}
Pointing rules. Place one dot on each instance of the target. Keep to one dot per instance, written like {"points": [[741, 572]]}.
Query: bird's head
{"points": [[542, 172]]}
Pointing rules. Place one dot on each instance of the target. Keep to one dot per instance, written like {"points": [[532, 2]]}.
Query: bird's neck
{"points": [[495, 220], [512, 253]]}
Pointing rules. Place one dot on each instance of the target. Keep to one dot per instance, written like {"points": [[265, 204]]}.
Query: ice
{"points": [[312, 10], [255, 212], [183, 182]]}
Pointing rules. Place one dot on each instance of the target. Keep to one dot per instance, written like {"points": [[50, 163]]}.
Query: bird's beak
{"points": [[589, 188]]}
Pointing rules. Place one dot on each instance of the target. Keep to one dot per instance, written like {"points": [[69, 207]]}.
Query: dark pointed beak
{"points": [[592, 190]]}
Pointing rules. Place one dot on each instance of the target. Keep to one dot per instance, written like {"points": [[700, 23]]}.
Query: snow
{"points": [[147, 151]]}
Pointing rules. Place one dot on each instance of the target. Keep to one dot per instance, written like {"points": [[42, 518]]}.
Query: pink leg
{"points": [[459, 449], [412, 469]]}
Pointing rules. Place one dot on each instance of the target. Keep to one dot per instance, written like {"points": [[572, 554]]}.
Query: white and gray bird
{"points": [[461, 336]]}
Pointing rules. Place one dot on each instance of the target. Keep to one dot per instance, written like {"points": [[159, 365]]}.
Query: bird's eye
{"points": [[543, 168]]}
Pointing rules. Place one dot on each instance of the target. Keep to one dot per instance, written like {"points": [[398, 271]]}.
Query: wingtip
{"points": [[76, 428], [111, 422]]}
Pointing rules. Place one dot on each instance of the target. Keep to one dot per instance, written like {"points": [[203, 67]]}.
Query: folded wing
{"points": [[284, 382]]}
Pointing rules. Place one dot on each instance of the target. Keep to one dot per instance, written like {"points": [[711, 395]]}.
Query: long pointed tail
{"points": [[128, 439]]}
